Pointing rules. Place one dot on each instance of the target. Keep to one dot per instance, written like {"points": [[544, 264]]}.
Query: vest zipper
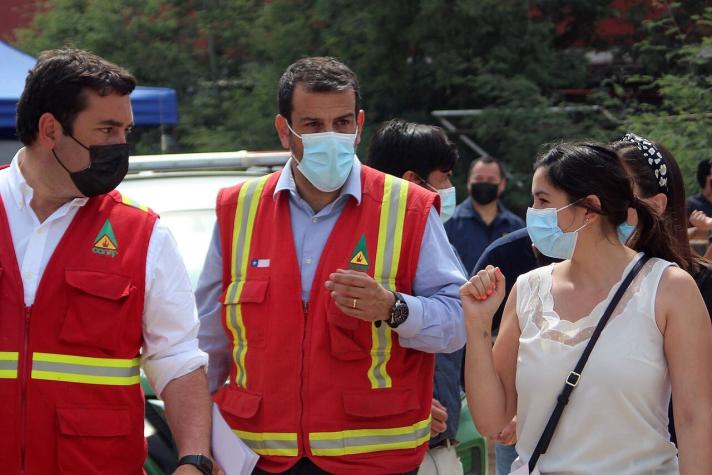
{"points": [[303, 451], [23, 388]]}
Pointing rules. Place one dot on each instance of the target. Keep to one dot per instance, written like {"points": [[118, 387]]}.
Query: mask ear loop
{"points": [[586, 222]]}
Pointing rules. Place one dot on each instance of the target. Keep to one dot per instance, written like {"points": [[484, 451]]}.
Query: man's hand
{"points": [[438, 412], [700, 220], [358, 295]]}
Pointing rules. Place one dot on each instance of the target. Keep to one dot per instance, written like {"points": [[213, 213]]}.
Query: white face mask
{"points": [[327, 158]]}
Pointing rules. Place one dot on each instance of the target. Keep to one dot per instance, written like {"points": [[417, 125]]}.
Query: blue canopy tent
{"points": [[151, 105]]}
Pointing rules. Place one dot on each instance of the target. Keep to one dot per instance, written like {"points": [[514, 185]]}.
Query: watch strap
{"points": [[199, 461]]}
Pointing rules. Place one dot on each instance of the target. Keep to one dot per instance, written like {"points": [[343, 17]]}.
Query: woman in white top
{"points": [[658, 338]]}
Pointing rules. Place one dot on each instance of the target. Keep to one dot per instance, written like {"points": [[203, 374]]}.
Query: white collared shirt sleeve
{"points": [[170, 318]]}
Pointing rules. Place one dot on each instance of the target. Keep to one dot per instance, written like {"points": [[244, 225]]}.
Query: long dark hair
{"points": [[675, 214], [582, 169]]}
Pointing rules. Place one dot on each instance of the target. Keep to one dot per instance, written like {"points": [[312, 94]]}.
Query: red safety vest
{"points": [[312, 381], [69, 364]]}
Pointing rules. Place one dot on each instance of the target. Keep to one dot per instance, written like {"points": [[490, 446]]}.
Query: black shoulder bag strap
{"points": [[574, 376]]}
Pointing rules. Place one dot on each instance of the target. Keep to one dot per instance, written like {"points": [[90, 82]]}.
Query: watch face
{"points": [[399, 313]]}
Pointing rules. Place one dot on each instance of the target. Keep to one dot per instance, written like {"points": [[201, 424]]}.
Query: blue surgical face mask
{"points": [[448, 202], [448, 199], [327, 158], [624, 231], [547, 236]]}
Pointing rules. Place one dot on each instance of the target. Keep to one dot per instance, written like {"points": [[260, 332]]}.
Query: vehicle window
{"points": [[192, 230]]}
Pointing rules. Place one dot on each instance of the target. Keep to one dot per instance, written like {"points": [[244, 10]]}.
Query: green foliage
{"points": [[507, 57], [676, 58]]}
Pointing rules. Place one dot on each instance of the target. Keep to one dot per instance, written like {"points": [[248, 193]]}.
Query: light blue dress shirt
{"points": [[435, 321]]}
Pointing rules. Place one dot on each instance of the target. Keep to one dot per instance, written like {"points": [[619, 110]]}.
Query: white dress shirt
{"points": [[170, 321]]}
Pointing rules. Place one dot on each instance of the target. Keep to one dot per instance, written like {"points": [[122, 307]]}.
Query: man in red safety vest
{"points": [[327, 288], [92, 287]]}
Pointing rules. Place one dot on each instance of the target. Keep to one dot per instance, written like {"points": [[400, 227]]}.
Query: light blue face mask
{"points": [[547, 236], [624, 231], [448, 201], [327, 158]]}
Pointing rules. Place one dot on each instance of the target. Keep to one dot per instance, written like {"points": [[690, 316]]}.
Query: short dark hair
{"points": [[56, 84], [703, 171], [487, 159], [399, 146], [316, 74]]}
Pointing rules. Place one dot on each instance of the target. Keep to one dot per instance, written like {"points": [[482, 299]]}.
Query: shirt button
{"points": [[307, 260], [315, 220], [40, 231]]}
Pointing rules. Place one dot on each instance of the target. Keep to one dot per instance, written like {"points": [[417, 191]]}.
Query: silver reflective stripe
{"points": [[247, 202], [68, 368], [390, 239], [369, 440], [247, 194], [271, 443], [8, 365]]}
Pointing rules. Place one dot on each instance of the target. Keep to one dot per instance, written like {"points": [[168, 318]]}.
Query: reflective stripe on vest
{"points": [[361, 441], [270, 443], [8, 364], [247, 201], [86, 370], [129, 202], [390, 238]]}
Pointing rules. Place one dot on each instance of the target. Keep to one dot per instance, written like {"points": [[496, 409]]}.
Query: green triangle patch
{"points": [[105, 242], [359, 257]]}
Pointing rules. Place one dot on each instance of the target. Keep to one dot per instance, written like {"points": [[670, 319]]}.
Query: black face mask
{"points": [[108, 166], [484, 193]]}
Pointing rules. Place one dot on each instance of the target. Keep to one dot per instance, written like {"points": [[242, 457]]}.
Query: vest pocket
{"points": [[239, 402], [242, 300], [377, 403], [348, 337], [97, 310], [95, 440]]}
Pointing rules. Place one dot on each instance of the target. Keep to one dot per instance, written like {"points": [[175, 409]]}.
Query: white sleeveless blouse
{"points": [[616, 421]]}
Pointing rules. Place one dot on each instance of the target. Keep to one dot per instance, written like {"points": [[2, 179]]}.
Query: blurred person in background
{"points": [[481, 217], [423, 155], [661, 186]]}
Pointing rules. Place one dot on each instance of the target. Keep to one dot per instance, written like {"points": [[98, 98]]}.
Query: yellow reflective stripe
{"points": [[270, 443], [360, 441], [247, 201], [390, 239], [398, 237], [86, 360], [86, 370], [8, 364], [129, 202]]}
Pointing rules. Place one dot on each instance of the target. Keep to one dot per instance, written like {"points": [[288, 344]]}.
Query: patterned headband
{"points": [[654, 157]]}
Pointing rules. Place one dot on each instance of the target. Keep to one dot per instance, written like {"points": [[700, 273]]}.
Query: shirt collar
{"points": [[21, 191], [352, 187]]}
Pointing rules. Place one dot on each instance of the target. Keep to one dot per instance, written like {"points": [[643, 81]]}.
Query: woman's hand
{"points": [[700, 220], [482, 295]]}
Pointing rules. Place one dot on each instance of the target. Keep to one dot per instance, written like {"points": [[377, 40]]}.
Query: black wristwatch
{"points": [[201, 462], [399, 311]]}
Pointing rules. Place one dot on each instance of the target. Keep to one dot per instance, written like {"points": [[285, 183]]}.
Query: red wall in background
{"points": [[14, 14]]}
